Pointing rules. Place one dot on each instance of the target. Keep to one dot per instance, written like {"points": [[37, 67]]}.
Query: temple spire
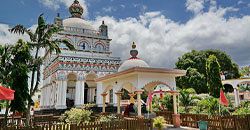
{"points": [[76, 9], [133, 51]]}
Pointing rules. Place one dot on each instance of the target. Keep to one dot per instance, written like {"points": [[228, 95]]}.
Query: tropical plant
{"points": [[188, 98], [243, 109], [213, 76], [75, 115], [42, 38], [167, 102], [159, 122], [195, 64]]}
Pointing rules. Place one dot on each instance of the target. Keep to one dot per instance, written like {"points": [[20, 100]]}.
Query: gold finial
{"points": [[133, 45]]}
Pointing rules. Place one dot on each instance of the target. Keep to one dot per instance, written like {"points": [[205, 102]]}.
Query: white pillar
{"points": [[174, 103], [61, 94], [41, 99], [99, 91], [64, 92], [58, 93], [139, 92], [79, 96], [236, 97], [115, 89], [118, 94]]}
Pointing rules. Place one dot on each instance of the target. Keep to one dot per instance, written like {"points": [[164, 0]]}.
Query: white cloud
{"points": [[108, 9], [195, 6], [7, 37], [161, 41], [56, 4]]}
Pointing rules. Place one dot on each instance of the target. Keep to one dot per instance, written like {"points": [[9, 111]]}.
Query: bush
{"points": [[75, 115], [108, 118], [159, 122]]}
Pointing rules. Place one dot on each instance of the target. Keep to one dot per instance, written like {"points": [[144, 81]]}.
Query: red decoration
{"points": [[223, 99], [6, 93]]}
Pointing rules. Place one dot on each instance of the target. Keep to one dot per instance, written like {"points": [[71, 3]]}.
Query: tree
{"points": [[195, 64], [5, 72], [42, 38], [19, 75], [213, 76], [187, 98]]}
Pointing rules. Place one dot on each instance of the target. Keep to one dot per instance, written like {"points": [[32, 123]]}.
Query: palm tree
{"points": [[187, 98], [42, 38]]}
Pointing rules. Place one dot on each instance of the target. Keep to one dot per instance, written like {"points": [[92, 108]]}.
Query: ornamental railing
{"points": [[88, 32]]}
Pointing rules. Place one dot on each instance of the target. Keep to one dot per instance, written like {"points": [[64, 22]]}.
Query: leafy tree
{"points": [[245, 71], [187, 98], [5, 72], [19, 76], [213, 76], [42, 38], [195, 64]]}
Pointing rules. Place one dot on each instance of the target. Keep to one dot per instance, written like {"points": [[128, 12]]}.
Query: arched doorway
{"points": [[90, 88], [70, 93], [86, 87]]}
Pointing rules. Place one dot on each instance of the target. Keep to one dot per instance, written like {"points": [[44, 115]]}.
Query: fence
{"points": [[126, 124], [231, 122]]}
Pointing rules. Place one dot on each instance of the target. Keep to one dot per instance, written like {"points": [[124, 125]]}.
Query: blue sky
{"points": [[26, 11], [161, 28]]}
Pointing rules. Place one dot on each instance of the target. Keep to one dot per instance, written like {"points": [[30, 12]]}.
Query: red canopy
{"points": [[6, 93]]}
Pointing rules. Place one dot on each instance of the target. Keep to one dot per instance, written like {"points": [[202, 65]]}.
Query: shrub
{"points": [[75, 115], [108, 118], [159, 122]]}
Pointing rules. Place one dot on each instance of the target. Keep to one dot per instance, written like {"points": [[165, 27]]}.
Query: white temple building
{"points": [[69, 77], [92, 75]]}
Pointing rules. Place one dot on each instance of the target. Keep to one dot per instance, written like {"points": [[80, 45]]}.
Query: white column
{"points": [[58, 92], [174, 103], [139, 92], [61, 94], [79, 99], [49, 95], [236, 97], [115, 89], [99, 91], [64, 92]]}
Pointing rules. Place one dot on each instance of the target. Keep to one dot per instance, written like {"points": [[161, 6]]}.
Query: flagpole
{"points": [[219, 108]]}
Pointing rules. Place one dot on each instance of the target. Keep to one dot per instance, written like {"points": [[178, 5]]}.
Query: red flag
{"points": [[6, 94], [223, 99]]}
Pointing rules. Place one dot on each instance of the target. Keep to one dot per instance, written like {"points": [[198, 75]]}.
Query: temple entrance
{"points": [[86, 87], [90, 88], [70, 93]]}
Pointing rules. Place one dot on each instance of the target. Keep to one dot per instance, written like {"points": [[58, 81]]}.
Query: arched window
{"points": [[99, 48], [83, 46]]}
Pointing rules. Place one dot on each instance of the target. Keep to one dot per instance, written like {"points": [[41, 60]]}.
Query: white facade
{"points": [[69, 76]]}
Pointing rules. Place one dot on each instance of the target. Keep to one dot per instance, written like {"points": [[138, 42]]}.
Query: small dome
{"points": [[133, 61], [130, 63], [77, 23]]}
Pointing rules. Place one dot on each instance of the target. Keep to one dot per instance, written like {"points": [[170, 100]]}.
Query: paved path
{"points": [[170, 127]]}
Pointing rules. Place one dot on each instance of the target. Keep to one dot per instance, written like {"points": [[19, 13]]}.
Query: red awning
{"points": [[6, 93]]}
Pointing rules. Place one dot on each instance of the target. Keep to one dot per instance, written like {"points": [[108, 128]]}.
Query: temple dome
{"points": [[77, 23], [133, 61]]}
